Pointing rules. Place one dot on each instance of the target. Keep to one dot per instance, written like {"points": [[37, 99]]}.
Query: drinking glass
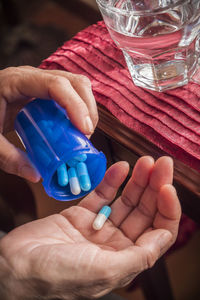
{"points": [[159, 39]]}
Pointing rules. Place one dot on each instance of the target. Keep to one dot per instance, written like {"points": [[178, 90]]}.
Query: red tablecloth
{"points": [[171, 120]]}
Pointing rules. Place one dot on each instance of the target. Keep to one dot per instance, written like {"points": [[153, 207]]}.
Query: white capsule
{"points": [[99, 222], [73, 182], [101, 218], [74, 186]]}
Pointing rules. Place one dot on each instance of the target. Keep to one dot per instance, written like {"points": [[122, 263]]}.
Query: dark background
{"points": [[31, 30]]}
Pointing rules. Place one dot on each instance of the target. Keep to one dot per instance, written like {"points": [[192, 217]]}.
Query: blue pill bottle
{"points": [[51, 140]]}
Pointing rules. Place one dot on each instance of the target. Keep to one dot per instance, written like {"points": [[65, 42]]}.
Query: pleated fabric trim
{"points": [[170, 120]]}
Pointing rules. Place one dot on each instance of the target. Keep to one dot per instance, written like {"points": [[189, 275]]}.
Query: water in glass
{"points": [[159, 39]]}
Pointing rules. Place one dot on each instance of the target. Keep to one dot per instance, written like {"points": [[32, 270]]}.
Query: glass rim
{"points": [[103, 4]]}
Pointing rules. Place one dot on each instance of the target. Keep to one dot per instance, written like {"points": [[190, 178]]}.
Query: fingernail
{"points": [[29, 173], [89, 125]]}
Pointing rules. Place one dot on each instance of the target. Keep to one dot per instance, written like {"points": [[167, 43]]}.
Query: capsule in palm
{"points": [[101, 218], [62, 175], [74, 182], [83, 176]]}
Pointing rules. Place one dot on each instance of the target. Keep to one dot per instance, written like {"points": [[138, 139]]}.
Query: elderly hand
{"points": [[17, 87], [63, 257]]}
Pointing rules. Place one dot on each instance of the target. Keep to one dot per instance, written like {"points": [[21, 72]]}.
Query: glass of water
{"points": [[159, 39]]}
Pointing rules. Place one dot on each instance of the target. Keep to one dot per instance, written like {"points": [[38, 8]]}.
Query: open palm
{"points": [[63, 256]]}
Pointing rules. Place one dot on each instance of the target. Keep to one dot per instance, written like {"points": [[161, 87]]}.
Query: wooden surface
{"points": [[129, 145]]}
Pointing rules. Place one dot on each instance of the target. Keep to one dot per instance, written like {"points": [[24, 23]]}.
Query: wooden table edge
{"points": [[137, 143]]}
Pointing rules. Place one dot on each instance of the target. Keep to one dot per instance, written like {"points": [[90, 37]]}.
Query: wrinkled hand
{"points": [[19, 85], [61, 256]]}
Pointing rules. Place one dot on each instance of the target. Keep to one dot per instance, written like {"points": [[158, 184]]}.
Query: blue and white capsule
{"points": [[73, 181], [101, 218], [62, 175], [83, 176]]}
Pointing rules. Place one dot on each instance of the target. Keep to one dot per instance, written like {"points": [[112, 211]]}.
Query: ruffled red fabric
{"points": [[171, 120]]}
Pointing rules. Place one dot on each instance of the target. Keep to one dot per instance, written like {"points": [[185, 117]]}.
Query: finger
{"points": [[33, 82], [83, 87], [169, 210], [143, 214], [155, 243], [107, 189], [133, 190], [15, 161], [128, 263]]}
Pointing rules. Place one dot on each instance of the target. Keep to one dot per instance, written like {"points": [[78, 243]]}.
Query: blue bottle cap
{"points": [[51, 140]]}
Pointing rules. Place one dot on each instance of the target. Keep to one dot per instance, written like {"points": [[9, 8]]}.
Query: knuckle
{"points": [[83, 80], [58, 80], [144, 209], [12, 77], [79, 107], [127, 201], [10, 74]]}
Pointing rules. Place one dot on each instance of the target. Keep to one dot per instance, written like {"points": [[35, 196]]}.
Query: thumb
{"points": [[15, 161], [127, 263], [154, 244]]}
